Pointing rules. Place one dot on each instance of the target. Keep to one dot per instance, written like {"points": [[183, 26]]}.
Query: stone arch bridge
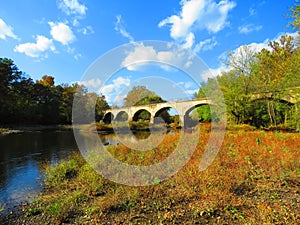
{"points": [[182, 107], [290, 96]]}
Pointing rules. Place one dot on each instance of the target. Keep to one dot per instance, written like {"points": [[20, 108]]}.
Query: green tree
{"points": [[210, 89], [10, 77], [140, 95], [100, 107], [295, 14], [47, 98], [277, 73]]}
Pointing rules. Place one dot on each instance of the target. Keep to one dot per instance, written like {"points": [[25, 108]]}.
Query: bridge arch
{"points": [[144, 113], [108, 117], [188, 120], [289, 102], [163, 114], [189, 109], [122, 116]]}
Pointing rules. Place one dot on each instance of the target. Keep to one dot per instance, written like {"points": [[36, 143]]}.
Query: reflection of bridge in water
{"points": [[182, 107]]}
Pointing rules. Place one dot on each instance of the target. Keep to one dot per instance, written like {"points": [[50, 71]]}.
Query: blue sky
{"points": [[63, 38]]}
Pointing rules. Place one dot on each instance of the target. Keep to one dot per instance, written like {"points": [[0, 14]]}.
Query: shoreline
{"points": [[14, 129]]}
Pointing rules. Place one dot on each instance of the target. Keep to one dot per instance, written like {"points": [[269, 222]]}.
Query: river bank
{"points": [[13, 129], [255, 179]]}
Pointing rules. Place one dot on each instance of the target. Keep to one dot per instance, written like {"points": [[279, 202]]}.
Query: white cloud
{"points": [[92, 83], [142, 55], [6, 31], [254, 47], [77, 56], [37, 49], [257, 47], [246, 29], [62, 33], [252, 12], [87, 30], [214, 72], [113, 92], [189, 41], [119, 99], [206, 45], [186, 85], [198, 14], [72, 7], [120, 27], [191, 92]]}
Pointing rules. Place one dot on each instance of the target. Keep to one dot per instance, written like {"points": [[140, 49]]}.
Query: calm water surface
{"points": [[21, 159], [23, 155]]}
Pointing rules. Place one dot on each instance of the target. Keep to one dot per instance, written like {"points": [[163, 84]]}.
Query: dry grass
{"points": [[255, 179]]}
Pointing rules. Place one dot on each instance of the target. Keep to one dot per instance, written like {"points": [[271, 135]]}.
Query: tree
{"points": [[47, 97], [66, 102], [277, 72], [140, 95], [215, 112], [241, 63], [295, 14], [10, 75], [47, 81]]}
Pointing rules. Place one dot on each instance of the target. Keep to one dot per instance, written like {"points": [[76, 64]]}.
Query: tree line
{"points": [[23, 101], [260, 88]]}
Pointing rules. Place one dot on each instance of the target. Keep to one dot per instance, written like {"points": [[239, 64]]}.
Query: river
{"points": [[23, 155]]}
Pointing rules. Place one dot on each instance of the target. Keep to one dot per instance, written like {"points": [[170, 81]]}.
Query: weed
{"points": [[248, 183]]}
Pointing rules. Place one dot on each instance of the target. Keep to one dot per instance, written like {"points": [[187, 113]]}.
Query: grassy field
{"points": [[255, 179]]}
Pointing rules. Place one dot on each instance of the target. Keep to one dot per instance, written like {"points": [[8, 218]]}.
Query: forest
{"points": [[24, 101]]}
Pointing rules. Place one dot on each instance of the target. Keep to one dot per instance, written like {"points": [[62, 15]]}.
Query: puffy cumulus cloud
{"points": [[215, 17], [189, 40], [198, 14], [72, 7], [37, 49], [181, 24], [120, 27], [113, 92], [249, 28], [142, 55], [62, 33], [6, 31]]}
